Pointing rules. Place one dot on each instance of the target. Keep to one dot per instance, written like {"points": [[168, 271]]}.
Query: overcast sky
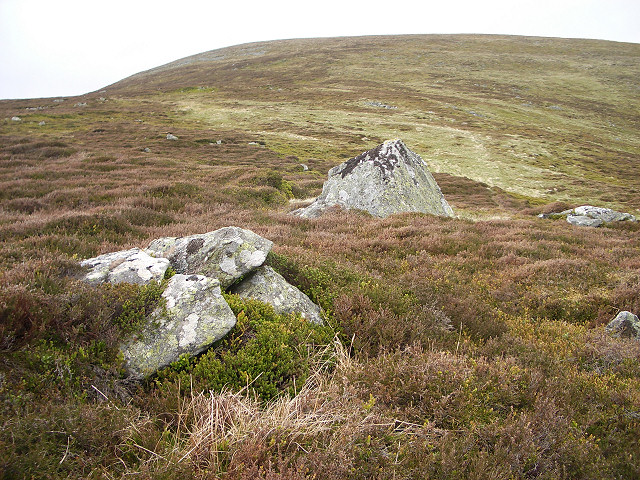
{"points": [[70, 47]]}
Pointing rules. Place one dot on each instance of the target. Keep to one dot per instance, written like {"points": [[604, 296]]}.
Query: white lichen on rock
{"points": [[385, 180], [226, 254], [130, 266], [195, 315]]}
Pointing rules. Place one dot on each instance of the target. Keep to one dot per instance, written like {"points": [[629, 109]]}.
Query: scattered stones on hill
{"points": [[225, 254], [16, 119], [196, 314], [385, 180], [625, 325], [268, 286], [590, 216], [130, 266], [171, 136], [380, 105]]}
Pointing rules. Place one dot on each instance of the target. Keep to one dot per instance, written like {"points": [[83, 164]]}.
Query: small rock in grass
{"points": [[625, 325]]}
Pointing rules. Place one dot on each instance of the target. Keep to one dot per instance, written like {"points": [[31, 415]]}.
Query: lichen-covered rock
{"points": [[604, 214], [625, 325], [268, 286], [583, 221], [194, 317], [226, 254], [590, 216], [131, 266], [385, 180]]}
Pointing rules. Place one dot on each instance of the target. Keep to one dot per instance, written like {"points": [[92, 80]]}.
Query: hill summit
{"points": [[387, 179]]}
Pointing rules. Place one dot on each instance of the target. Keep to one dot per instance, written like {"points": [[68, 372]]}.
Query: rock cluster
{"points": [[195, 314], [385, 180], [590, 216]]}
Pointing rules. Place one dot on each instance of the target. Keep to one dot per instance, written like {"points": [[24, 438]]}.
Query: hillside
{"points": [[531, 116], [465, 348]]}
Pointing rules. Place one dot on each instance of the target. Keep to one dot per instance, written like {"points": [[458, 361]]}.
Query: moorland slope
{"points": [[468, 347]]}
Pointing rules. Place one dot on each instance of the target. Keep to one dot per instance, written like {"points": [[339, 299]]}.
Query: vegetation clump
{"points": [[265, 354]]}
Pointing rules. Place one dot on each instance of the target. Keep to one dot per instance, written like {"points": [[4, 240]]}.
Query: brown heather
{"points": [[471, 347]]}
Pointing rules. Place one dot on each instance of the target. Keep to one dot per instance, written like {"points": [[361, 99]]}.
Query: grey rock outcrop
{"points": [[625, 325], [603, 214], [590, 216], [268, 286], [195, 316], [385, 180], [131, 266], [225, 254], [583, 221]]}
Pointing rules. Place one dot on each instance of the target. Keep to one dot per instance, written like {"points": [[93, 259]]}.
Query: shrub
{"points": [[134, 303], [266, 353], [46, 149]]}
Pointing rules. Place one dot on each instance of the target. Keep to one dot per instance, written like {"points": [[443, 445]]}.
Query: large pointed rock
{"points": [[385, 180], [268, 286], [195, 316], [131, 266], [226, 254]]}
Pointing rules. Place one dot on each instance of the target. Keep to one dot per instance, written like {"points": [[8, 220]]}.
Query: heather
{"points": [[468, 347]]}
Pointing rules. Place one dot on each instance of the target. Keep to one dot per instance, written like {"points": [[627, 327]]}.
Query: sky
{"points": [[70, 47]]}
